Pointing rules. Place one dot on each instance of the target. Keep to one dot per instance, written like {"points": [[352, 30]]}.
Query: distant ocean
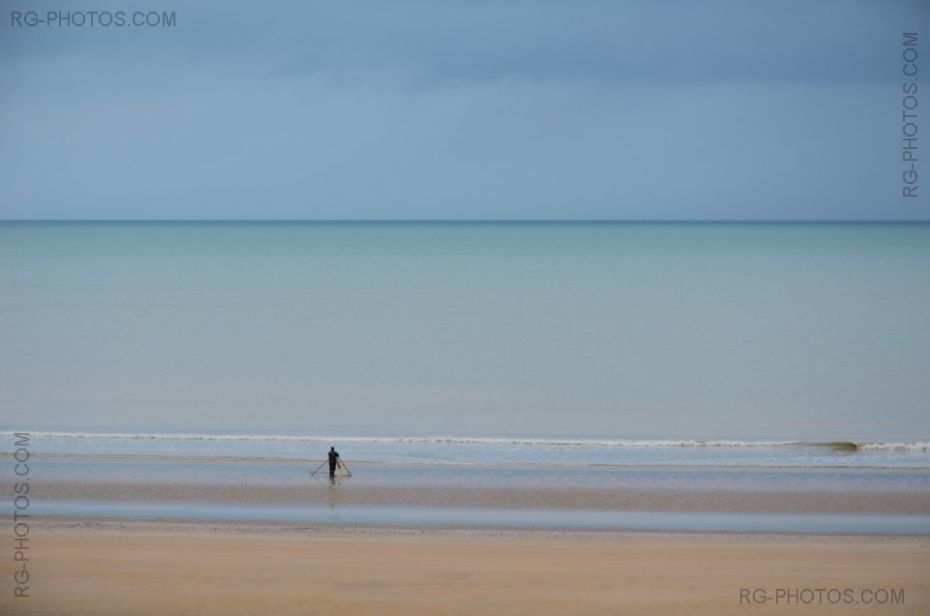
{"points": [[466, 343]]}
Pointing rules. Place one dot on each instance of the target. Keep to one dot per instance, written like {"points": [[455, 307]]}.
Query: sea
{"points": [[558, 346]]}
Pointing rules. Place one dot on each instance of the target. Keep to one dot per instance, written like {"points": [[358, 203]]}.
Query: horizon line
{"points": [[467, 220]]}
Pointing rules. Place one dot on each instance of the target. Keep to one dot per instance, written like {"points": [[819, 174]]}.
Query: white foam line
{"points": [[643, 443]]}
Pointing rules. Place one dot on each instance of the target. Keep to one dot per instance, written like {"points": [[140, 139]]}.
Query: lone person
{"points": [[333, 462]]}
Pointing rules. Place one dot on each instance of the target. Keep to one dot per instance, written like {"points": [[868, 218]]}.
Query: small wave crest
{"points": [[903, 447]]}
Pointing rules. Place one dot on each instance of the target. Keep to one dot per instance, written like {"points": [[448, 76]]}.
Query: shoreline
{"points": [[478, 518], [506, 465], [613, 498]]}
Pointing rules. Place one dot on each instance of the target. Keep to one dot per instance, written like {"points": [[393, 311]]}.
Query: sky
{"points": [[705, 110]]}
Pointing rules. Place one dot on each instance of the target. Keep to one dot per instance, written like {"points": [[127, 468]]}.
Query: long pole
{"points": [[318, 468], [345, 467]]}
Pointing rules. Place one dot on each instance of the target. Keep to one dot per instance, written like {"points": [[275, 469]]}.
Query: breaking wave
{"points": [[840, 446]]}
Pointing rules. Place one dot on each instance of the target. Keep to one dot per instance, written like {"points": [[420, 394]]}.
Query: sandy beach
{"points": [[124, 535], [162, 568]]}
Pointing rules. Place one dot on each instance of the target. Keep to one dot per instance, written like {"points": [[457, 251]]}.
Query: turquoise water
{"points": [[622, 332]]}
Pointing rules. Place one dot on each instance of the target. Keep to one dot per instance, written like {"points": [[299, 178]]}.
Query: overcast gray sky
{"points": [[463, 110]]}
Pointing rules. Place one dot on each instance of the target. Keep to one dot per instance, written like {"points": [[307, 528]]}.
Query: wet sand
{"points": [[156, 568], [613, 498]]}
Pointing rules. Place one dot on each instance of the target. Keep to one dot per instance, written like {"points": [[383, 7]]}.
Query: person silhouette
{"points": [[333, 462]]}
